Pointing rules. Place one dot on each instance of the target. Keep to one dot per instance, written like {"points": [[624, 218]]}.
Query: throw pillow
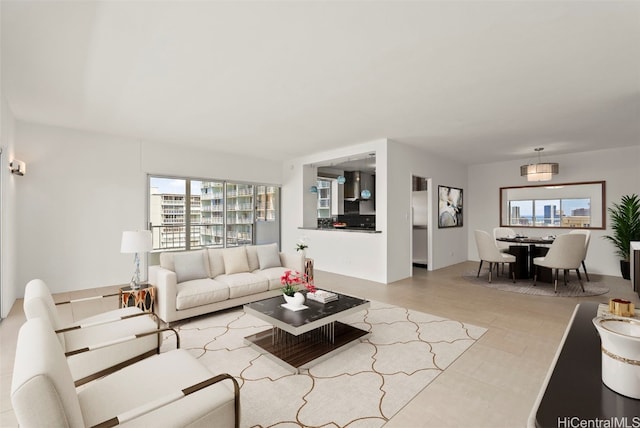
{"points": [[190, 265], [268, 256], [235, 260]]}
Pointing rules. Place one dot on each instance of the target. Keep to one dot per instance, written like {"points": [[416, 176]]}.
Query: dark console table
{"points": [[526, 250], [573, 390]]}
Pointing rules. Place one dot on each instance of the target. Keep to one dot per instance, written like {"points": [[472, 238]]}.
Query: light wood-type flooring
{"points": [[493, 384]]}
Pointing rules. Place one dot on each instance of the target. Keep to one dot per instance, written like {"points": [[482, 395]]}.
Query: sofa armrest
{"points": [[166, 285], [293, 261]]}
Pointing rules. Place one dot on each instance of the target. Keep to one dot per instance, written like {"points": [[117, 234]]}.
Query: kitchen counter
{"points": [[343, 229]]}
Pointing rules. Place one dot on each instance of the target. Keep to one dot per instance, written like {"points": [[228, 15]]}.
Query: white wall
{"points": [[8, 232], [82, 189], [80, 192], [620, 168]]}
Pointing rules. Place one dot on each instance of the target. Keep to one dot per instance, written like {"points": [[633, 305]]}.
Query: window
{"points": [[324, 198], [210, 213], [266, 203]]}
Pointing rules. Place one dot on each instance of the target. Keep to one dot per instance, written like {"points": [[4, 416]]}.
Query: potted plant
{"points": [[290, 281], [625, 222], [301, 245]]}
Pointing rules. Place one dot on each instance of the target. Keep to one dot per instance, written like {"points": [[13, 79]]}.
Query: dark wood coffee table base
{"points": [[297, 352]]}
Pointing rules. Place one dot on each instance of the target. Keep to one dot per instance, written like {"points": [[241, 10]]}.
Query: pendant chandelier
{"points": [[541, 171]]}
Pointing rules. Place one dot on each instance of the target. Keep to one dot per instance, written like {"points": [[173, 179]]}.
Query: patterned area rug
{"points": [[595, 287], [364, 385]]}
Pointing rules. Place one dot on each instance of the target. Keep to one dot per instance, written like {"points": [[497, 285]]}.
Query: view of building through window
{"points": [[324, 198], [218, 213], [554, 212]]}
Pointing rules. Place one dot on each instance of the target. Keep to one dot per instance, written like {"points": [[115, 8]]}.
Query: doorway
{"points": [[419, 222]]}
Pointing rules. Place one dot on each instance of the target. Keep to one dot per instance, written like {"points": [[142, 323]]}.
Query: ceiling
{"points": [[476, 82]]}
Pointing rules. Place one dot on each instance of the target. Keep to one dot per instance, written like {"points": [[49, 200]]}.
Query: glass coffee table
{"points": [[301, 338]]}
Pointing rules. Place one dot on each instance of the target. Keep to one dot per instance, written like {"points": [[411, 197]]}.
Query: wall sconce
{"points": [[541, 171], [341, 179], [17, 167], [313, 189]]}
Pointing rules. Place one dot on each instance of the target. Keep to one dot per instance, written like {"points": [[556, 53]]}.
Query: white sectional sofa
{"points": [[191, 283]]}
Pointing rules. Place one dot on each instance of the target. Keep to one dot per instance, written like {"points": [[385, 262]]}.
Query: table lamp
{"points": [[136, 241]]}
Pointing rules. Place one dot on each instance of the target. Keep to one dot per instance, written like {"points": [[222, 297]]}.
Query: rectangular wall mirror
{"points": [[566, 205]]}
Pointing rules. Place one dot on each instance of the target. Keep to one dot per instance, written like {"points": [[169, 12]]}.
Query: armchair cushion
{"points": [[86, 364], [191, 265], [159, 376], [268, 256]]}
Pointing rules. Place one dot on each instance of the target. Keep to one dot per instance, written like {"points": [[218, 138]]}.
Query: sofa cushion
{"points": [[166, 260], [216, 262], [244, 284], [272, 275], [235, 260], [200, 292], [268, 256], [252, 257], [190, 265]]}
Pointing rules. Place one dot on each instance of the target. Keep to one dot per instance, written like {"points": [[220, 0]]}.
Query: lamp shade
{"points": [[136, 241], [539, 171]]}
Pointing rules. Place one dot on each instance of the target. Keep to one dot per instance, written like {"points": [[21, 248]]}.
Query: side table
{"points": [[144, 297]]}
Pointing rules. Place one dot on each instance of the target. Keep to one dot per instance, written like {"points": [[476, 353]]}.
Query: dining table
{"points": [[525, 249]]}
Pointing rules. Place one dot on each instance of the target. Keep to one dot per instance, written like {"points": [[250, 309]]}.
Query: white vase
{"points": [[620, 340], [296, 300]]}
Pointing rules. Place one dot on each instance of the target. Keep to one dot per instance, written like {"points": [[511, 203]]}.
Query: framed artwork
{"points": [[449, 207]]}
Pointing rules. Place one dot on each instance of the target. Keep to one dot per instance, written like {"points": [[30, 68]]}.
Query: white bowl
{"points": [[620, 354]]}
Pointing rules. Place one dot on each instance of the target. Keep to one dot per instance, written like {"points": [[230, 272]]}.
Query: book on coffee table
{"points": [[322, 296]]}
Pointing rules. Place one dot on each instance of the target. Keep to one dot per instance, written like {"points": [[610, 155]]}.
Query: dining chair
{"points": [[587, 234], [167, 390], [488, 252], [138, 331], [565, 253], [503, 232]]}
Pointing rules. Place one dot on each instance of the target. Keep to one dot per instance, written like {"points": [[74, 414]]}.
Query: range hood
{"points": [[352, 186]]}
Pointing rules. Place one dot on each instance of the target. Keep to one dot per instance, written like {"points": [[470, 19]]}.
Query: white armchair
{"points": [[107, 327], [171, 389]]}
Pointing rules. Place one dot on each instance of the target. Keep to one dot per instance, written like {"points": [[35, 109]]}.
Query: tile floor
{"points": [[493, 384]]}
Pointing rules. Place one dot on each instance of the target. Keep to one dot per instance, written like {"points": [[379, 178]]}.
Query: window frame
{"points": [[596, 197]]}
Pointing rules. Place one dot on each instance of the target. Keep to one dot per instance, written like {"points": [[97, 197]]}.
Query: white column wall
{"points": [[446, 246], [384, 257], [620, 168], [361, 255]]}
